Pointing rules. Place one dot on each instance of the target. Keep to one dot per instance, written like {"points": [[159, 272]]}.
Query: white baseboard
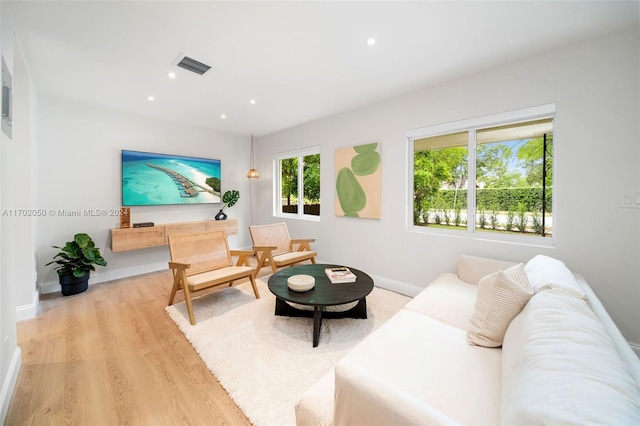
{"points": [[9, 383], [636, 348], [109, 275], [49, 288], [389, 284], [29, 311], [397, 286]]}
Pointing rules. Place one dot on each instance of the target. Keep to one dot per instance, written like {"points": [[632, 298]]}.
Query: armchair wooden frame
{"points": [[276, 249], [201, 261]]}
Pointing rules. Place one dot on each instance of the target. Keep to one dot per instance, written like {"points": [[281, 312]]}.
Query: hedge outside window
{"points": [[495, 179]]}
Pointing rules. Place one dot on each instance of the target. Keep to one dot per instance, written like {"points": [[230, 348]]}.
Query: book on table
{"points": [[339, 275]]}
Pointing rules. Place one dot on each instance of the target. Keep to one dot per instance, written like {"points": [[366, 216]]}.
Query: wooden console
{"points": [[123, 239]]}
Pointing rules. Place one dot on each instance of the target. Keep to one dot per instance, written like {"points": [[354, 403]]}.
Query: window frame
{"points": [[471, 126], [277, 181]]}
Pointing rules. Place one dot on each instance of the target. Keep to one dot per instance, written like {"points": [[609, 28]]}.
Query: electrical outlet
{"points": [[630, 200]]}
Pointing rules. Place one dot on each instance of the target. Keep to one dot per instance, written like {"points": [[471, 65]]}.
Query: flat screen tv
{"points": [[150, 179]]}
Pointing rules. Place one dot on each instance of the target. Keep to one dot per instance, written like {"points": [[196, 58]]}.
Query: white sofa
{"points": [[563, 361]]}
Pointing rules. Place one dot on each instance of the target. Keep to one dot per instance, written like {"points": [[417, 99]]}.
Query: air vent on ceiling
{"points": [[193, 65]]}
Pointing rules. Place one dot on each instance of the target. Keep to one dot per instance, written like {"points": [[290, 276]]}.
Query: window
{"points": [[491, 176], [298, 184]]}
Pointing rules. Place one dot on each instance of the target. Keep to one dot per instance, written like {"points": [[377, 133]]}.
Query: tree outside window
{"points": [[299, 184], [509, 190]]}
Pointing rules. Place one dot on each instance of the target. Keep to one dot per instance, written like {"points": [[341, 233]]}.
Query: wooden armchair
{"points": [[201, 261], [275, 247]]}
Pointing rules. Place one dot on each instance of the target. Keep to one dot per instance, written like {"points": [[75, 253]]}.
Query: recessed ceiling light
{"points": [[252, 101], [171, 75], [371, 41], [151, 98], [223, 116]]}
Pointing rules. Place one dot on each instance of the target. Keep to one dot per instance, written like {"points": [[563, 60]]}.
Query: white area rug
{"points": [[266, 362]]}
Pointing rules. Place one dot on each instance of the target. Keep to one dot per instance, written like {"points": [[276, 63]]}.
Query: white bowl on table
{"points": [[301, 282]]}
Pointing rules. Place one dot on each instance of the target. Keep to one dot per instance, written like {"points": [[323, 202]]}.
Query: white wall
{"points": [[22, 186], [10, 355], [596, 134], [79, 168]]}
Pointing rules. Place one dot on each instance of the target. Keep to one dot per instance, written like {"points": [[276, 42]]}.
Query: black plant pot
{"points": [[221, 215], [73, 285]]}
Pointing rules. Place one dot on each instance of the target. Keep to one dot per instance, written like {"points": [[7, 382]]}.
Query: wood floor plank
{"points": [[82, 337], [111, 356], [85, 402], [30, 405]]}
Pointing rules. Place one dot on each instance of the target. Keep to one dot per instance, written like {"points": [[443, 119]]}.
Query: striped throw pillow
{"points": [[501, 296]]}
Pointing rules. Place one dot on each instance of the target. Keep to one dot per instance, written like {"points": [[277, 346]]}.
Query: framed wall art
{"points": [[358, 181]]}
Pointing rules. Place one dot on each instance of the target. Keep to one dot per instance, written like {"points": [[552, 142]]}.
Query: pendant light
{"points": [[253, 173]]}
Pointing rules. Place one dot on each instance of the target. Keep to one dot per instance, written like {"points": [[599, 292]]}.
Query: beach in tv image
{"points": [[150, 179]]}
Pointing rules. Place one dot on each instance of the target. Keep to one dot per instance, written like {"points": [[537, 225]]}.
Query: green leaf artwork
{"points": [[353, 193], [350, 193], [367, 160]]}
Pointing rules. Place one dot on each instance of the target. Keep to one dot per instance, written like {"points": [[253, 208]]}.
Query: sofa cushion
{"points": [[359, 401], [545, 272], [447, 299], [315, 405], [472, 269], [501, 296], [627, 354], [560, 367], [431, 361]]}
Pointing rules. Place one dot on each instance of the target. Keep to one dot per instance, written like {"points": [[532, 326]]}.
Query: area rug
{"points": [[266, 362]]}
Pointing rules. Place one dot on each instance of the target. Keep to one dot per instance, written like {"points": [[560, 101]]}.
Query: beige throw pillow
{"points": [[501, 296]]}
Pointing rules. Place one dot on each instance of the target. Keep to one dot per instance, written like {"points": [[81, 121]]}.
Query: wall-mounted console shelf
{"points": [[123, 239]]}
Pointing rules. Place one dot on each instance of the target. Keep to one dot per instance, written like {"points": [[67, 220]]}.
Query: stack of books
{"points": [[143, 225], [340, 274]]}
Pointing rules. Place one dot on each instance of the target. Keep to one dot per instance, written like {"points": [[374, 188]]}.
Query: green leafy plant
{"points": [[483, 219], [537, 223], [493, 219], [522, 219], [425, 217], [510, 217], [230, 198], [446, 216], [457, 219], [77, 257]]}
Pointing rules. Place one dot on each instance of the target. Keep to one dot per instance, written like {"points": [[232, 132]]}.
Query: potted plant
{"points": [[75, 262], [229, 199]]}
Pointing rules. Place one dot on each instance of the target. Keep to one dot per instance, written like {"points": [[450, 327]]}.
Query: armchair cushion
{"points": [[226, 274], [293, 257]]}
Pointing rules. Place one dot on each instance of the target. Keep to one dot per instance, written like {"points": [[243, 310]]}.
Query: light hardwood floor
{"points": [[112, 356]]}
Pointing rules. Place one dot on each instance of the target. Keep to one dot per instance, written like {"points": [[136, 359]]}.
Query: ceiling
{"points": [[299, 60]]}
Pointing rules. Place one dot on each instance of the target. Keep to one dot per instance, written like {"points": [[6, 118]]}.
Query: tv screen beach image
{"points": [[150, 179]]}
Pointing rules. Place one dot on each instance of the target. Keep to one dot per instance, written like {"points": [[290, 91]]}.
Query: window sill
{"points": [[531, 241], [311, 218]]}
